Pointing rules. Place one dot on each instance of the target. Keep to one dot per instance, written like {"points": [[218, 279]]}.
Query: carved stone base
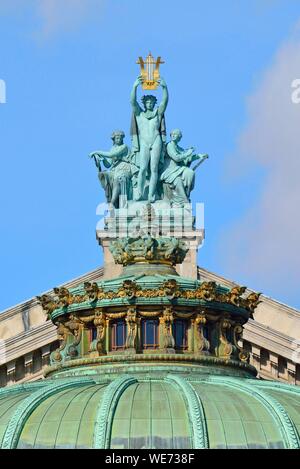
{"points": [[158, 220]]}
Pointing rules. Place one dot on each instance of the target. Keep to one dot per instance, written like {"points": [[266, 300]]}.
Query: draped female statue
{"points": [[177, 176], [116, 182]]}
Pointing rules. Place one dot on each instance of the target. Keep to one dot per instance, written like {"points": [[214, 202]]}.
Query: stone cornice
{"points": [[91, 276], [204, 274], [29, 341], [269, 339]]}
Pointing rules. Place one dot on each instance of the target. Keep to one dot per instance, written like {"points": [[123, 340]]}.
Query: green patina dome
{"points": [[170, 410], [187, 385]]}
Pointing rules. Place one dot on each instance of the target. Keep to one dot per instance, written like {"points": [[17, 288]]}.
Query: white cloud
{"points": [[63, 15], [263, 247], [55, 16]]}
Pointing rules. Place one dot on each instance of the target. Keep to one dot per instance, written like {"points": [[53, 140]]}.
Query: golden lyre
{"points": [[149, 71]]}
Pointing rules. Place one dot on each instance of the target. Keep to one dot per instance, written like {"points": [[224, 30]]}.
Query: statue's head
{"points": [[149, 102], [176, 135], [117, 137]]}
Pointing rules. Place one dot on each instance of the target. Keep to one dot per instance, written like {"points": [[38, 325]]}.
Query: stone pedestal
{"points": [[140, 219], [110, 268]]}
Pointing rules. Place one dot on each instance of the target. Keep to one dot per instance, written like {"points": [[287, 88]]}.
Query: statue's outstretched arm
{"points": [[118, 151], [105, 154], [135, 105], [114, 152], [165, 97]]}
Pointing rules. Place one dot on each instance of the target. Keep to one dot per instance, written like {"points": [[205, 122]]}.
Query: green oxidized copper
{"points": [[198, 393], [148, 132], [195, 410], [151, 169], [178, 176], [149, 249], [116, 182]]}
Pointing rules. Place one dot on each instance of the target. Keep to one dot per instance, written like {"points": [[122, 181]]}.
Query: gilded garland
{"points": [[207, 291]]}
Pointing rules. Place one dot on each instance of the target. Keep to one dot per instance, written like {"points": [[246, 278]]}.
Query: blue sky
{"points": [[69, 67]]}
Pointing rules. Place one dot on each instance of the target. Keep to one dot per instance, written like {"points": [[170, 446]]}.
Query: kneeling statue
{"points": [[178, 178], [116, 182]]}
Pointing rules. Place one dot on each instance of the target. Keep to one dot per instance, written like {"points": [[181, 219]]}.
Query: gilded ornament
{"points": [[166, 320], [65, 298], [91, 290], [253, 301], [234, 296], [131, 321]]}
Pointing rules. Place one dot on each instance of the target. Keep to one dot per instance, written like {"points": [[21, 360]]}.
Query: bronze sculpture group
{"points": [[152, 169]]}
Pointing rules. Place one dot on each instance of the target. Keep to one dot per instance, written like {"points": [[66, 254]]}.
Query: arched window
{"points": [[180, 327], [150, 334], [118, 334]]}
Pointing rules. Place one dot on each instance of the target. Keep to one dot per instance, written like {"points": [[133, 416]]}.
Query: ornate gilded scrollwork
{"points": [[119, 315], [75, 326], [62, 334], [206, 291], [131, 321], [91, 290], [234, 297], [224, 348], [170, 288], [223, 340], [252, 301], [65, 298], [166, 321], [237, 335], [100, 324], [48, 303], [202, 344], [129, 289], [149, 314]]}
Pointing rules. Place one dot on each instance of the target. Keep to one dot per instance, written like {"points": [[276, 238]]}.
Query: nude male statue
{"points": [[149, 130]]}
